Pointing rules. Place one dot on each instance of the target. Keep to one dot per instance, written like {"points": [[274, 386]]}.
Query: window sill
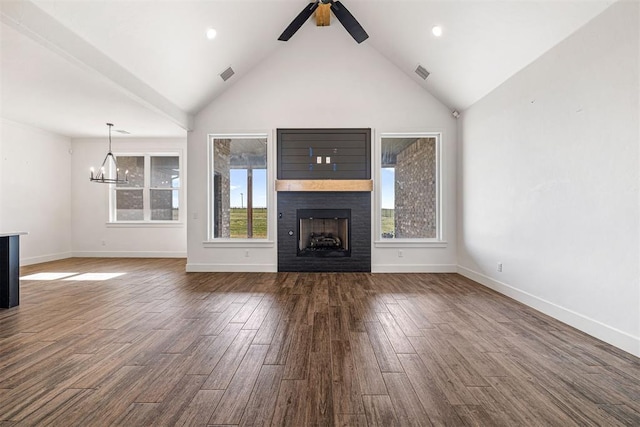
{"points": [[145, 224], [410, 243], [238, 243]]}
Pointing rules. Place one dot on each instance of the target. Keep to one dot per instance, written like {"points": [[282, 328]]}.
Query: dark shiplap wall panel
{"points": [[348, 150]]}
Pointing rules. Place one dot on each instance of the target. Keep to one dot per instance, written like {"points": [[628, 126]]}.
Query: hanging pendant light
{"points": [[109, 162]]}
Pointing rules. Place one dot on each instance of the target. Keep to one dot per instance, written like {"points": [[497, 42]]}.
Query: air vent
{"points": [[226, 74], [422, 72]]}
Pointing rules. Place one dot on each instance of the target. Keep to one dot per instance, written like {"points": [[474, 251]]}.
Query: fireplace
{"points": [[324, 200], [341, 226], [324, 232]]}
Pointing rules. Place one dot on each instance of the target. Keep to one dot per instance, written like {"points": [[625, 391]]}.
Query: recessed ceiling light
{"points": [[437, 30], [211, 33]]}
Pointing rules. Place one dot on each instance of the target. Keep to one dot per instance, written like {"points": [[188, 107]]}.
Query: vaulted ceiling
{"points": [[70, 66]]}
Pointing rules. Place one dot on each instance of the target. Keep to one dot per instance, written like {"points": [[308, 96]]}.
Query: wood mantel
{"points": [[324, 185]]}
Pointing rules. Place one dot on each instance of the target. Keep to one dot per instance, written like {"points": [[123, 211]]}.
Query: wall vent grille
{"points": [[422, 72], [226, 74]]}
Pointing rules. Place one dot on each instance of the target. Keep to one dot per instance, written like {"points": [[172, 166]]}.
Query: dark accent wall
{"points": [[360, 205], [324, 153]]}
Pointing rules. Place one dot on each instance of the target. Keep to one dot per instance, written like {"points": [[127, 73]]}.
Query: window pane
{"points": [[240, 188], [164, 205], [135, 166], [388, 182], [129, 205], [165, 172], [408, 188]]}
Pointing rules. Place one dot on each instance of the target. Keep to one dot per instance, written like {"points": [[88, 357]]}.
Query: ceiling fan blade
{"points": [[352, 26], [298, 21]]}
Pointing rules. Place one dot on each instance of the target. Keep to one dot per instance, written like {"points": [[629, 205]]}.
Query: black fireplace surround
{"points": [[324, 231]]}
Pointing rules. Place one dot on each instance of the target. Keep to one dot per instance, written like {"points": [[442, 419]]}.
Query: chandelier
{"points": [[111, 162]]}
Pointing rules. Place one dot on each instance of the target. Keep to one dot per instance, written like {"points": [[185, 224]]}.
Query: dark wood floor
{"points": [[157, 346]]}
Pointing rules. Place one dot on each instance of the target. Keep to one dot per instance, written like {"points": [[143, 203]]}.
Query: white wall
{"points": [[320, 78], [550, 182], [35, 191], [91, 233]]}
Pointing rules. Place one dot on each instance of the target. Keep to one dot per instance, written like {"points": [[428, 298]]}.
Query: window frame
{"points": [[210, 240], [146, 193], [438, 240]]}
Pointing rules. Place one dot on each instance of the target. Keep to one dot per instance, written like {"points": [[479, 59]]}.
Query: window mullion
{"points": [[112, 203], [146, 193]]}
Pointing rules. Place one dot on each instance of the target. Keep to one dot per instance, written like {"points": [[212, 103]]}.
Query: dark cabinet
{"points": [[324, 153]]}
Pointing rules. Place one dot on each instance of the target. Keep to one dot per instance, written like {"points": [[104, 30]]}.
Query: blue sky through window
{"points": [[388, 178], [238, 194]]}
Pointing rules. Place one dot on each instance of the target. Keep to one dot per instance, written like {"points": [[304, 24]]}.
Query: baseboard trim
{"points": [[133, 254], [45, 258], [414, 268], [228, 268], [595, 328]]}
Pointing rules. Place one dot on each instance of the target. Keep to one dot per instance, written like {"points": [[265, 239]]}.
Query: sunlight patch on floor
{"points": [[95, 276], [47, 276]]}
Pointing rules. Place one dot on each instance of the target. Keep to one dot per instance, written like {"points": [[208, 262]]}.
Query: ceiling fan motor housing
{"points": [[323, 15]]}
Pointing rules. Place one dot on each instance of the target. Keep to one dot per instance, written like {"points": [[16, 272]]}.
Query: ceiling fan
{"points": [[321, 7]]}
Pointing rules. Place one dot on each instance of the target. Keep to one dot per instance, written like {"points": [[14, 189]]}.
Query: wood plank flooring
{"points": [[157, 346]]}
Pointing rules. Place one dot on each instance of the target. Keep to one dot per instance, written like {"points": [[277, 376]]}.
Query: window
{"points": [[153, 191], [239, 187], [409, 193]]}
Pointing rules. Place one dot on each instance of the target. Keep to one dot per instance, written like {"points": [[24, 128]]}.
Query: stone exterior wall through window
{"points": [[415, 190], [222, 187], [129, 201]]}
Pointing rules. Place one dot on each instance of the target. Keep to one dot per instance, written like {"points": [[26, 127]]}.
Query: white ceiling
{"points": [[70, 66]]}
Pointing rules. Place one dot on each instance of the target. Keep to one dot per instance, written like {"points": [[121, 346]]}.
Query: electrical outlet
{"points": [[499, 268], [246, 253], [104, 243], [400, 253]]}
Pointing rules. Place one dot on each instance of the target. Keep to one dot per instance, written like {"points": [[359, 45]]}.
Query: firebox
{"points": [[324, 232]]}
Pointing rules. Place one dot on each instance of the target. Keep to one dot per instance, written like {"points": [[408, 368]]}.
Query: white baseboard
{"points": [[595, 328], [227, 268], [414, 268], [45, 258], [272, 268], [132, 254]]}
